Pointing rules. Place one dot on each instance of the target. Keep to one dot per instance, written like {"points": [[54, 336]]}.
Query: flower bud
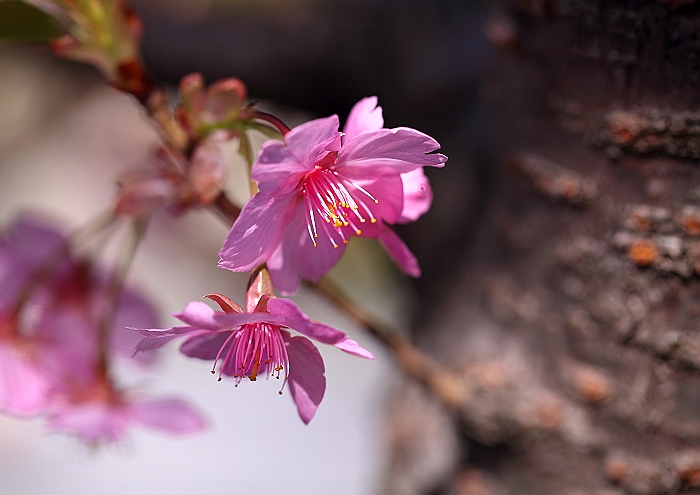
{"points": [[218, 107]]}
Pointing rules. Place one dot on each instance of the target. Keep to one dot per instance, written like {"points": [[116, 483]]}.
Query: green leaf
{"points": [[20, 21]]}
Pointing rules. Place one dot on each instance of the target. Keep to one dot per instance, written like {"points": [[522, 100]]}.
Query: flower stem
{"points": [[271, 119], [447, 386], [113, 293]]}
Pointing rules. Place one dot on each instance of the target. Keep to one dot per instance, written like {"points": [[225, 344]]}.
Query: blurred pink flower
{"points": [[50, 311], [99, 413], [255, 343], [320, 188], [174, 182]]}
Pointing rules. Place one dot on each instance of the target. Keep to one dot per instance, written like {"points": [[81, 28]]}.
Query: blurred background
{"points": [[65, 136]]}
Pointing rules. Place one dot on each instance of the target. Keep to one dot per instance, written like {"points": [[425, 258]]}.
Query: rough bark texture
{"points": [[575, 320]]}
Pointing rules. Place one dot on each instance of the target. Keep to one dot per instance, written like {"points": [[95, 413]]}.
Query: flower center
{"points": [[339, 201], [253, 349]]}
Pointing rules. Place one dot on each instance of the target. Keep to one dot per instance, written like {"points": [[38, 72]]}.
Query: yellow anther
{"points": [[358, 232], [374, 220]]}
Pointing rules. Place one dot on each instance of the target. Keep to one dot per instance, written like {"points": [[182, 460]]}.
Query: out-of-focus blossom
{"points": [[51, 307], [174, 182], [24, 386], [99, 413], [105, 34], [207, 172], [221, 106], [255, 342], [318, 189]]}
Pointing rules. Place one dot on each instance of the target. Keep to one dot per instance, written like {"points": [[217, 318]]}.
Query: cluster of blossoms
{"points": [[52, 352], [317, 189], [63, 321]]}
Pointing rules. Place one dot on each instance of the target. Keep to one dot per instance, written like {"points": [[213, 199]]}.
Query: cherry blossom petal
{"points": [[296, 255], [277, 170], [399, 252], [389, 193], [387, 152], [157, 337], [311, 141], [23, 387], [296, 320], [417, 196], [365, 116], [306, 380], [256, 232], [204, 346], [351, 347], [134, 311], [198, 315], [91, 422], [169, 415]]}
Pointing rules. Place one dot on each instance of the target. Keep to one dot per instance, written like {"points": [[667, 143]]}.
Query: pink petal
{"points": [[277, 170], [307, 382], [227, 321], [198, 315], [24, 389], [364, 116], [141, 196], [296, 320], [313, 140], [134, 311], [31, 238], [399, 252], [208, 171], [204, 346], [417, 196], [91, 422], [169, 415], [388, 190], [157, 337], [256, 232], [351, 347], [388, 151], [296, 255]]}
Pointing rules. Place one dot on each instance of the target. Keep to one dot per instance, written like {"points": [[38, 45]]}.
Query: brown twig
{"points": [[443, 383]]}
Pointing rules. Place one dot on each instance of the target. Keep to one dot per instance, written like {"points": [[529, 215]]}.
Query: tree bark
{"points": [[574, 321]]}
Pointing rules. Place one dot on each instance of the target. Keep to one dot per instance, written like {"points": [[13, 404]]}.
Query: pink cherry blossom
{"points": [[99, 413], [50, 310], [320, 188], [255, 343]]}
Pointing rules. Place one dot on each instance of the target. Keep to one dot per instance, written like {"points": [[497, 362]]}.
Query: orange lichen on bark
{"points": [[643, 252]]}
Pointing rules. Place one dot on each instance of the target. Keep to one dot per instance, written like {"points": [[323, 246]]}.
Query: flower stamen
{"points": [[338, 201], [251, 350]]}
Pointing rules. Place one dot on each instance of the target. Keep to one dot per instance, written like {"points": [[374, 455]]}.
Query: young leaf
{"points": [[22, 22]]}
